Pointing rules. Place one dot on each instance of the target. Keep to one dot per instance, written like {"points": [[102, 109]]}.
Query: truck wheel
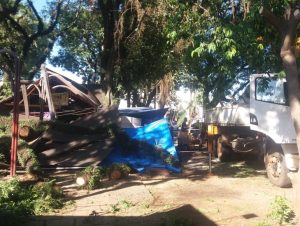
{"points": [[276, 169]]}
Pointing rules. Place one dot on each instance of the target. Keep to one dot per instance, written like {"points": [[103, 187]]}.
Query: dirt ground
{"points": [[236, 194]]}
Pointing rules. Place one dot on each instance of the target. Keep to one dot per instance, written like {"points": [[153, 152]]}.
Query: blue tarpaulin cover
{"points": [[154, 149], [147, 115]]}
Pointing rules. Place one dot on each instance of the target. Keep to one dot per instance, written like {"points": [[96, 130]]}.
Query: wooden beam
{"points": [[45, 83], [25, 99]]}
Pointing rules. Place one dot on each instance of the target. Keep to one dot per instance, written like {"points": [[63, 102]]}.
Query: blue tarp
{"points": [[154, 148], [147, 115]]}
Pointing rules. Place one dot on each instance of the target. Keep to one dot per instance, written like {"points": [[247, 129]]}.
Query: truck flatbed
{"points": [[229, 115]]}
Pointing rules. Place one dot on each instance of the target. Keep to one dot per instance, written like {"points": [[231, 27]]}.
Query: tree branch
{"points": [[12, 10], [272, 19], [40, 21], [14, 23]]}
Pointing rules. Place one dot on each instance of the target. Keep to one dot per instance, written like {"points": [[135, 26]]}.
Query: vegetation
{"points": [[122, 205], [17, 200], [92, 175], [281, 211], [26, 155]]}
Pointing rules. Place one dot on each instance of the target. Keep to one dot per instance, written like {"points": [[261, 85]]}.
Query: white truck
{"points": [[259, 122]]}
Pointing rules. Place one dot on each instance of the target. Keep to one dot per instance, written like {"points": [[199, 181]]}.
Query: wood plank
{"points": [[25, 99]]}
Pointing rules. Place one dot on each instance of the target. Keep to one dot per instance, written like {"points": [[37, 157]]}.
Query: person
{"points": [[183, 140], [184, 126], [196, 130]]}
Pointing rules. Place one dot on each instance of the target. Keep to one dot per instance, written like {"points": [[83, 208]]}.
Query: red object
{"points": [[15, 122]]}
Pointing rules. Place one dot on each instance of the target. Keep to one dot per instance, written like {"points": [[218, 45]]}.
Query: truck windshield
{"points": [[270, 90]]}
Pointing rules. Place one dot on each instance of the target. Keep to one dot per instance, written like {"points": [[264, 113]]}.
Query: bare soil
{"points": [[235, 194]]}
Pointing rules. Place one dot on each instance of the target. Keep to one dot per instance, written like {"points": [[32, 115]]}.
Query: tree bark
{"points": [[109, 11], [287, 30]]}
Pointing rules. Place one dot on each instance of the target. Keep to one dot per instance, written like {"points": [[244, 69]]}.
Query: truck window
{"points": [[270, 90]]}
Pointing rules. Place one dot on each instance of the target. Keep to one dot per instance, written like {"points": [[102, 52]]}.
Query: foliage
{"points": [[28, 33], [94, 175], [27, 158], [221, 43], [281, 211], [117, 48], [81, 46], [6, 122], [5, 90], [18, 200], [47, 197], [5, 143]]}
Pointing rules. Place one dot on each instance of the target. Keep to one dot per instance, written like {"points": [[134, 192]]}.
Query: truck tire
{"points": [[276, 169]]}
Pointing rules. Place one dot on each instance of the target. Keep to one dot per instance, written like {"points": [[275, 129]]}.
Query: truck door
{"points": [[269, 110]]}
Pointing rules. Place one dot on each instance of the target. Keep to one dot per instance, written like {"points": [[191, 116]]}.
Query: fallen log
{"points": [[27, 133], [61, 137], [88, 155]]}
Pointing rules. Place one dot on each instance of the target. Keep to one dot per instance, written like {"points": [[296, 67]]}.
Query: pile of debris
{"points": [[84, 142]]}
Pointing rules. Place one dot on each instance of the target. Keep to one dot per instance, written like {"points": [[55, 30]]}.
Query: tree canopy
{"points": [[27, 32]]}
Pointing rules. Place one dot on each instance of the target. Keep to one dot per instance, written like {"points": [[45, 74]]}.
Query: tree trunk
{"points": [[290, 66], [109, 11], [128, 97], [287, 30]]}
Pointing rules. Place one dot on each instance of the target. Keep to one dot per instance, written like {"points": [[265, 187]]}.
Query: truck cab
{"points": [[270, 116], [259, 123]]}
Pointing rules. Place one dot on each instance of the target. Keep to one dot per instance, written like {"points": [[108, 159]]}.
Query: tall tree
{"points": [[28, 33], [127, 58], [233, 38], [286, 22], [218, 48]]}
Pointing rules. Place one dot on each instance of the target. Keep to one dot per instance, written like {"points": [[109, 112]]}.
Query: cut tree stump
{"points": [[27, 133]]}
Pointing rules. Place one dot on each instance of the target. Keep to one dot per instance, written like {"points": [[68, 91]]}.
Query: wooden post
{"points": [[212, 131], [42, 100], [25, 100], [45, 83]]}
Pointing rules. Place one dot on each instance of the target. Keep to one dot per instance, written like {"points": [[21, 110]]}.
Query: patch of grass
{"points": [[121, 205], [127, 204], [115, 208]]}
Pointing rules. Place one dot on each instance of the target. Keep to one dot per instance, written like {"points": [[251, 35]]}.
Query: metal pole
{"points": [[15, 122]]}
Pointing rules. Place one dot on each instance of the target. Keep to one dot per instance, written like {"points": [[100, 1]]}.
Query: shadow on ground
{"points": [[241, 169], [195, 167], [185, 215]]}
